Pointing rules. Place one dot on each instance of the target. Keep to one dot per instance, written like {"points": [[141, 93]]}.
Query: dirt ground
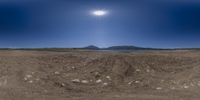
{"points": [[99, 75]]}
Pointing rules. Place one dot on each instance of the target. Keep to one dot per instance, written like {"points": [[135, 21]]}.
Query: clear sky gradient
{"points": [[69, 23]]}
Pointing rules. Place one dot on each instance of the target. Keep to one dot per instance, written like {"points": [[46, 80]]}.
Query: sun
{"points": [[99, 12]]}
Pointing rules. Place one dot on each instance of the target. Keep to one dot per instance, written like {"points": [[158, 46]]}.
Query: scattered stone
{"points": [[108, 77], [191, 84], [76, 81], [84, 81], [105, 84], [30, 81], [98, 81], [172, 88], [185, 86], [138, 70], [159, 88], [97, 74], [148, 70], [63, 84], [37, 79], [129, 83], [25, 78], [57, 72], [73, 67], [28, 76], [137, 81]]}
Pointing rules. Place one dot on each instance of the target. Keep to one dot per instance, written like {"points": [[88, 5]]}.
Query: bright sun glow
{"points": [[99, 12]]}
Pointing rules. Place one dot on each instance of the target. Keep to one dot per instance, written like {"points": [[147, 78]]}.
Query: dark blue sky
{"points": [[69, 23]]}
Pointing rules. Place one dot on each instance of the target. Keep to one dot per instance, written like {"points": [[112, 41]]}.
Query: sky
{"points": [[72, 23]]}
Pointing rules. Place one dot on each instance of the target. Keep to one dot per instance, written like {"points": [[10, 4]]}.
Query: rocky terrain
{"points": [[88, 75]]}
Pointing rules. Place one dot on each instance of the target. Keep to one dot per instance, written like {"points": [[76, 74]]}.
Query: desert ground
{"points": [[99, 75]]}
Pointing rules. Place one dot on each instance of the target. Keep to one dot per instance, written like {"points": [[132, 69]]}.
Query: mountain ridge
{"points": [[120, 47]]}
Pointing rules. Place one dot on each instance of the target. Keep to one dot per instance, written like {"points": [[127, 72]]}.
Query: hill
{"points": [[123, 47], [91, 47]]}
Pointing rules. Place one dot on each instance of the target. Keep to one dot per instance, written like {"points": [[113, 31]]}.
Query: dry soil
{"points": [[99, 75]]}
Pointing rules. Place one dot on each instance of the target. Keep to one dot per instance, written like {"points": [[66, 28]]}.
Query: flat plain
{"points": [[99, 75]]}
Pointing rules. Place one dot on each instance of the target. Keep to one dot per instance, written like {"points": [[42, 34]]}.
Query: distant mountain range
{"points": [[92, 47]]}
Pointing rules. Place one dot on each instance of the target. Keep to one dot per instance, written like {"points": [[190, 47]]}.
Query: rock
{"points": [[76, 81], [108, 77], [28, 76], [97, 74], [98, 81], [37, 79], [172, 88], [91, 80], [138, 70], [73, 67], [185, 86], [30, 81], [159, 88], [148, 70], [25, 78], [137, 81], [105, 84], [85, 81], [62, 84], [57, 72], [129, 83]]}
